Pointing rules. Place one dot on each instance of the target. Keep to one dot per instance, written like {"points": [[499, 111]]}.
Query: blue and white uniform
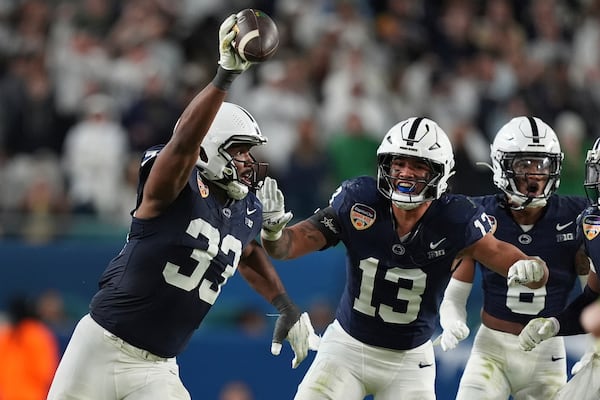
{"points": [[172, 267], [389, 307], [554, 239], [155, 293], [497, 367]]}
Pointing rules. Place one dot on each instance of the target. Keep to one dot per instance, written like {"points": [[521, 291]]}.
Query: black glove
{"points": [[294, 326]]}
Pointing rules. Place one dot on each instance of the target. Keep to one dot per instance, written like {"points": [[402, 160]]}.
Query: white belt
{"points": [[132, 350]]}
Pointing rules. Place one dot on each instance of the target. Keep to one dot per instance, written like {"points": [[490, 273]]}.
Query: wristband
{"points": [[270, 236], [224, 78], [283, 303]]}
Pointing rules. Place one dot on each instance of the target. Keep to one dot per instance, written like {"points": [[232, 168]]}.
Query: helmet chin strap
{"points": [[406, 206], [531, 202], [234, 189]]}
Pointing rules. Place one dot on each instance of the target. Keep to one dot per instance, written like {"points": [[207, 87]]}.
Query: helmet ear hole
{"points": [[203, 155]]}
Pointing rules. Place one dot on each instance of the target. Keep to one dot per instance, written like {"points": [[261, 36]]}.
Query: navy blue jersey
{"points": [[159, 288], [554, 239], [394, 288], [589, 225]]}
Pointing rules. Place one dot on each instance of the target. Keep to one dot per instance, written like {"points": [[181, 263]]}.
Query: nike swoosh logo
{"points": [[250, 212], [560, 227], [424, 365], [554, 358], [436, 244]]}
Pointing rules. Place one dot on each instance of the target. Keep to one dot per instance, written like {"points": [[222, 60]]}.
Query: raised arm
{"points": [[176, 160]]}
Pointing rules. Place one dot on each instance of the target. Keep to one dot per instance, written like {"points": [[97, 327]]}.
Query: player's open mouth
{"points": [[246, 177], [405, 187], [533, 189]]}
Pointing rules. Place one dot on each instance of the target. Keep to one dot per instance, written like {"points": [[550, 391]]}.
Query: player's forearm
{"points": [[256, 268], [569, 318], [279, 249], [454, 304], [298, 240], [197, 118]]}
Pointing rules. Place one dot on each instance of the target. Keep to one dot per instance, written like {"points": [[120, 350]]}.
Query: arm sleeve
{"points": [[454, 305], [569, 317], [326, 221]]}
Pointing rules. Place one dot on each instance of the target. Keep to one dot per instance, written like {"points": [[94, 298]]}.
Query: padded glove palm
{"points": [[294, 326], [229, 59], [274, 216], [536, 331]]}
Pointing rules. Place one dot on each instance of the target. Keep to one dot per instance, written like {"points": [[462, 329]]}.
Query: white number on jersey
{"points": [[513, 302], [363, 303], [204, 258]]}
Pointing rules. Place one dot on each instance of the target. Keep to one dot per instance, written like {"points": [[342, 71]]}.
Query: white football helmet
{"points": [[423, 139], [526, 140], [232, 125], [592, 173]]}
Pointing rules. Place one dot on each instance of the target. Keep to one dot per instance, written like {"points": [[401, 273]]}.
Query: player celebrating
{"points": [[585, 384], [195, 222], [526, 161], [401, 233]]}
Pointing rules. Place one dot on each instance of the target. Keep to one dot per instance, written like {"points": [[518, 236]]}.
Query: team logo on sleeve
{"points": [[591, 226], [493, 223], [361, 216], [202, 188]]}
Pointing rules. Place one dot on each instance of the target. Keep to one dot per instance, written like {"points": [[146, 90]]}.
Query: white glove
{"points": [[526, 271], [536, 331], [450, 336], [583, 361], [274, 216], [229, 58], [302, 337]]}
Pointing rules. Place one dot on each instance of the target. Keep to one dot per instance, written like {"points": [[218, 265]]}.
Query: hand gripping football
{"points": [[257, 36]]}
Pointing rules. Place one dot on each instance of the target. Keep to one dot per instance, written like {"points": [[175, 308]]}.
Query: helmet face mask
{"points": [[232, 127], [592, 173], [526, 162], [422, 143]]}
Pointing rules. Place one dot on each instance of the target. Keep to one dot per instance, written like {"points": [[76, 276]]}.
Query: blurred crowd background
{"points": [[87, 85]]}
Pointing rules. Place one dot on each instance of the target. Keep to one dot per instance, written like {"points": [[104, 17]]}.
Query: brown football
{"points": [[257, 36]]}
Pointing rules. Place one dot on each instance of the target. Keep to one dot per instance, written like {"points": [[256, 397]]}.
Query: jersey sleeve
{"points": [[469, 218], [327, 220]]}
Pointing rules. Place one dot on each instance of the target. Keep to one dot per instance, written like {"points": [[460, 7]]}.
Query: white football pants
{"points": [[497, 368], [97, 365], [347, 369]]}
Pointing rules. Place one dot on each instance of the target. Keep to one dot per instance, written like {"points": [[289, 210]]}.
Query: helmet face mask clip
{"points": [[592, 174]]}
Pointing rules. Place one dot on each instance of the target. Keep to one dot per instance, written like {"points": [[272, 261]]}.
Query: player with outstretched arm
{"points": [[194, 224], [401, 232]]}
